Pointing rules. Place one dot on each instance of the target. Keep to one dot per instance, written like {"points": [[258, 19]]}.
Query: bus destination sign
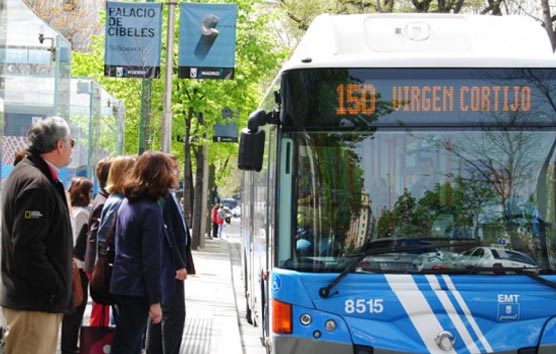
{"points": [[355, 99]]}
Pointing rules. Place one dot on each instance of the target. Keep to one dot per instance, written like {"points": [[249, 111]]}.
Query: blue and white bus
{"points": [[399, 191]]}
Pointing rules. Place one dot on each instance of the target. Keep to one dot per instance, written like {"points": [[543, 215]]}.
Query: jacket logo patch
{"points": [[33, 214]]}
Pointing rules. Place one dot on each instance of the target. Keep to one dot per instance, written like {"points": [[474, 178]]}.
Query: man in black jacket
{"points": [[37, 242], [165, 337]]}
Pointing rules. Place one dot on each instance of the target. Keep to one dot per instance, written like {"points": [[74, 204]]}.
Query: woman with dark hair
{"points": [[80, 196], [142, 275]]}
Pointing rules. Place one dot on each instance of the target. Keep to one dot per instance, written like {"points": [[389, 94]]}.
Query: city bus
{"points": [[399, 189]]}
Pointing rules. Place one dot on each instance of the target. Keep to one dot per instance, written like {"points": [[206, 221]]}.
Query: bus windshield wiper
{"points": [[324, 292], [521, 271]]}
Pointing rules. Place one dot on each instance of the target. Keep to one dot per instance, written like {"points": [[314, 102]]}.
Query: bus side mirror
{"points": [[251, 150]]}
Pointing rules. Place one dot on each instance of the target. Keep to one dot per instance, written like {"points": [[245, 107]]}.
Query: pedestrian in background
{"points": [[80, 196], [100, 314], [214, 219], [221, 219], [166, 337], [37, 242], [143, 272]]}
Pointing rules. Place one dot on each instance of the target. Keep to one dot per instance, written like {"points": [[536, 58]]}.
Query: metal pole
{"points": [[166, 136], [90, 163], [204, 212], [144, 124]]}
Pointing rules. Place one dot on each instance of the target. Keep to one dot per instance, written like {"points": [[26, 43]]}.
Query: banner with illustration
{"points": [[133, 39], [207, 41]]}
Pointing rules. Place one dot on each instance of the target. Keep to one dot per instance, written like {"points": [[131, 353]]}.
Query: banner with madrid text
{"points": [[133, 39], [207, 41]]}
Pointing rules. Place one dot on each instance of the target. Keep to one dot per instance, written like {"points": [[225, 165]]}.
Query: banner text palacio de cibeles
{"points": [[133, 39]]}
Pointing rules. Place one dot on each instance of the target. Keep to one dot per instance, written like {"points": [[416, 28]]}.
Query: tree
{"points": [[299, 14], [68, 17], [548, 22]]}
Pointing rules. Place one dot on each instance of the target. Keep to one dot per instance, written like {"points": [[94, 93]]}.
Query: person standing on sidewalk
{"points": [[37, 242], [166, 337], [100, 314], [142, 273], [214, 219], [80, 196], [220, 220], [120, 168]]}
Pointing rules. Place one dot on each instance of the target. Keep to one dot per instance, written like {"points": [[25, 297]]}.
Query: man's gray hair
{"points": [[45, 133]]}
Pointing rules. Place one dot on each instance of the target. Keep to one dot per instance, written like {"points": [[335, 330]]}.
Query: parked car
{"points": [[498, 258], [393, 254], [230, 203], [236, 212], [401, 262]]}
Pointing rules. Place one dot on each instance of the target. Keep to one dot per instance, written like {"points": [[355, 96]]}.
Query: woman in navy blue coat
{"points": [[142, 265]]}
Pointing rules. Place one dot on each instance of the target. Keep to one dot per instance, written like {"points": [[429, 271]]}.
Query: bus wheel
{"points": [[248, 313]]}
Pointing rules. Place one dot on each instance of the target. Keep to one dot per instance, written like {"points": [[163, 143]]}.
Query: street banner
{"points": [[225, 131], [133, 46], [207, 41]]}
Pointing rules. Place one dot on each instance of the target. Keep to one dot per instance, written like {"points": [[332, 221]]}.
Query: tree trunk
{"points": [[198, 234], [547, 19], [187, 170]]}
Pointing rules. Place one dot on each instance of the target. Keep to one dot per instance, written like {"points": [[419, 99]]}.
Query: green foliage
{"points": [[257, 59], [91, 64], [298, 14]]}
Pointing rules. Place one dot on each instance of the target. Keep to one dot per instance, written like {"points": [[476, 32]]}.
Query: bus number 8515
{"points": [[363, 306]]}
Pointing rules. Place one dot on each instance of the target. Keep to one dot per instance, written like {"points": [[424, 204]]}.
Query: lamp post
{"points": [[166, 136], [145, 121], [90, 145]]}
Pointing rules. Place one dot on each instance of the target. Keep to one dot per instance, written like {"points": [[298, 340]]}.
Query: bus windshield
{"points": [[462, 180]]}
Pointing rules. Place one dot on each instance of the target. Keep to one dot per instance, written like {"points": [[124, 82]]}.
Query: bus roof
{"points": [[423, 40]]}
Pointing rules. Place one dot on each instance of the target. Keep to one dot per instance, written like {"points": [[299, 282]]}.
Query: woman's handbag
{"points": [[76, 285], [96, 340], [100, 279], [102, 271]]}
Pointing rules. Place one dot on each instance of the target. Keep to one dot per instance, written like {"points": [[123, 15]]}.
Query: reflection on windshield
{"points": [[428, 200]]}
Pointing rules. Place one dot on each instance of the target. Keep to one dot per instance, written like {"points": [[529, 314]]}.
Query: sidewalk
{"points": [[212, 324], [215, 301]]}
